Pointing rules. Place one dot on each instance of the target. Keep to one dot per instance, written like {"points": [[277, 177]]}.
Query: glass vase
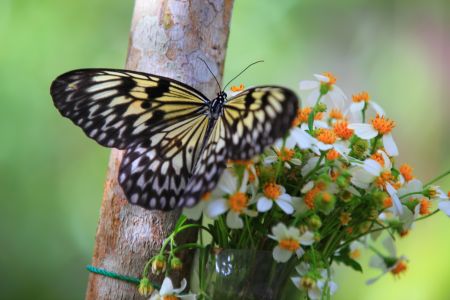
{"points": [[244, 274]]}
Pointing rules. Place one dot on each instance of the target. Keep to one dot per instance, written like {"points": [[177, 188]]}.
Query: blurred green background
{"points": [[51, 175]]}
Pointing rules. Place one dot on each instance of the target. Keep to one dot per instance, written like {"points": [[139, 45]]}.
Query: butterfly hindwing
{"points": [[256, 118], [154, 175], [209, 167], [120, 108]]}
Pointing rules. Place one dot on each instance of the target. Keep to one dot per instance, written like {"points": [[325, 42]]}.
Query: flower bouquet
{"points": [[281, 221]]}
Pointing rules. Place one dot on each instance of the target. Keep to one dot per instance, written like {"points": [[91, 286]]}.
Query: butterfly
{"points": [[177, 141]]}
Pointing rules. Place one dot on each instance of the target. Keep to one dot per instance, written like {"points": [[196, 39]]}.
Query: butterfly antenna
{"points": [[259, 61], [211, 72]]}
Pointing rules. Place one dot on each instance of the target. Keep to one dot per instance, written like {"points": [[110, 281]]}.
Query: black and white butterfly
{"points": [[177, 140]]}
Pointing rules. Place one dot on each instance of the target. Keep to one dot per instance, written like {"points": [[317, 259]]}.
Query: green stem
{"points": [[410, 194], [374, 145]]}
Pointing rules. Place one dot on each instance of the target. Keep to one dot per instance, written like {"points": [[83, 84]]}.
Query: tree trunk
{"points": [[167, 38]]}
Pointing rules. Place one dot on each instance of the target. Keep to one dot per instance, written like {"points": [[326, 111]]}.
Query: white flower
{"points": [[380, 126], [167, 289], [289, 242], [390, 263], [274, 193], [236, 204], [371, 169], [334, 97], [314, 287], [284, 154], [298, 137], [360, 100], [195, 212]]}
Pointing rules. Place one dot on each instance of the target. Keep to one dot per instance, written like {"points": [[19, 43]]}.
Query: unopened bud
{"points": [[176, 264], [145, 288], [159, 265]]}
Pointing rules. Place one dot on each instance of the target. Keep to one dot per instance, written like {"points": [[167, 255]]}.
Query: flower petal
{"points": [[377, 108], [216, 208], [389, 145], [264, 204], [445, 207], [281, 255], [194, 213], [234, 221], [307, 238], [285, 206], [364, 131], [395, 199], [308, 85], [166, 287], [181, 288], [356, 106]]}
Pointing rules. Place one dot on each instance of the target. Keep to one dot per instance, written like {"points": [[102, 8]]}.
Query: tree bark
{"points": [[167, 38]]}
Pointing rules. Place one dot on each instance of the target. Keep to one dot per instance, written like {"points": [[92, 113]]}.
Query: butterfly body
{"points": [[177, 141]]}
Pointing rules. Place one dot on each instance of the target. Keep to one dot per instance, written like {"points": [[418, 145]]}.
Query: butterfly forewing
{"points": [[256, 118], [119, 108]]}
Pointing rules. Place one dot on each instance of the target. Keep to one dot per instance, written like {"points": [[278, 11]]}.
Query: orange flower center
{"points": [[387, 202], [326, 136], [355, 254], [272, 191], [378, 158], [326, 197], [238, 202], [406, 172], [332, 154], [303, 114], [425, 206], [384, 178], [206, 196], [336, 113], [331, 78], [170, 297], [237, 88], [382, 124], [309, 197], [289, 244], [400, 267], [341, 130], [285, 154], [363, 96]]}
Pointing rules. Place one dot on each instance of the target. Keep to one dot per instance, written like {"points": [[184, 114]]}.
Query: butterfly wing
{"points": [[120, 108], [256, 118], [251, 121], [210, 165], [161, 122], [154, 174]]}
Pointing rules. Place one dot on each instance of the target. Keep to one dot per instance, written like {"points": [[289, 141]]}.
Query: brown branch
{"points": [[167, 37]]}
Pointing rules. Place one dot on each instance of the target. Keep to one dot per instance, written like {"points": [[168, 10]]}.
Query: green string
{"points": [[126, 278]]}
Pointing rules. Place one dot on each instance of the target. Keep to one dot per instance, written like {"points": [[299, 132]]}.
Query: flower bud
{"points": [[315, 222], [431, 192], [176, 264], [325, 202], [159, 265], [359, 148], [145, 288], [342, 181], [321, 107], [307, 283]]}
